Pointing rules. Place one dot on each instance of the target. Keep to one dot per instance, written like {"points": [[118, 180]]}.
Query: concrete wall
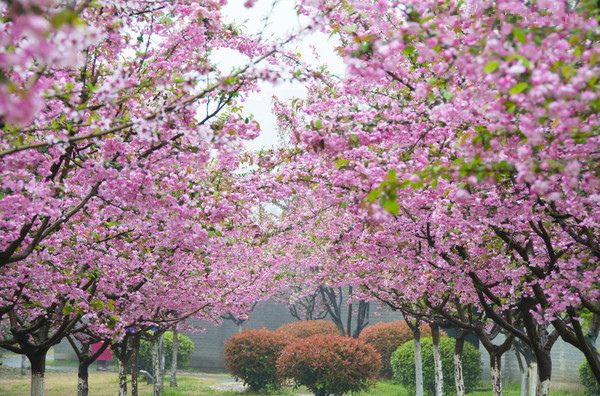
{"points": [[565, 366]]}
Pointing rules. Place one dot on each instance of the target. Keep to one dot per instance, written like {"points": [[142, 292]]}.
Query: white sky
{"points": [[282, 22]]}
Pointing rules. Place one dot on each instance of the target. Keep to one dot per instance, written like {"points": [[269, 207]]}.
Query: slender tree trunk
{"points": [[155, 365], [544, 374], [122, 378], [437, 360], [38, 371], [534, 381], [459, 380], [239, 327], [83, 387], [161, 382], [496, 374], [173, 378], [418, 362], [134, 365], [158, 361], [23, 365]]}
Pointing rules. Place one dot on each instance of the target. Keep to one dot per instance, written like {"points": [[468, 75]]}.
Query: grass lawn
{"points": [[106, 384]]}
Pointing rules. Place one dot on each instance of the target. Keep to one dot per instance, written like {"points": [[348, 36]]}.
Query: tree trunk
{"points": [[38, 370], [459, 380], [122, 378], [534, 381], [134, 365], [158, 363], [173, 378], [83, 387], [418, 362], [155, 365], [23, 365], [437, 360], [161, 379], [544, 368], [496, 374]]}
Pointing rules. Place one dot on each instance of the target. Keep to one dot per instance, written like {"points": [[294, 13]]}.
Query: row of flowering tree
{"points": [[458, 164], [122, 207]]}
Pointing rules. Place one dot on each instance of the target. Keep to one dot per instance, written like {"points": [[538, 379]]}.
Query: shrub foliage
{"points": [[307, 328], [387, 337], [184, 351], [587, 379], [251, 356], [330, 364], [403, 365]]}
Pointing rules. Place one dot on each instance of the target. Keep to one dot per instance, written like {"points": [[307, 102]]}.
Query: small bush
{"points": [[330, 364], [252, 357], [587, 379], [403, 365], [387, 337], [184, 351], [307, 328]]}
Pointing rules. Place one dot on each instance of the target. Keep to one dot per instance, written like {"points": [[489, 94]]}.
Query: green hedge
{"points": [[184, 352], [587, 379], [403, 365]]}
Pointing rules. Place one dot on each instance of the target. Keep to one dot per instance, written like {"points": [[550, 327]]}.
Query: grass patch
{"points": [[386, 388], [106, 384]]}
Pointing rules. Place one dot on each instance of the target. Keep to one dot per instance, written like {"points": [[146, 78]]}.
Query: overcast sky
{"points": [[283, 21]]}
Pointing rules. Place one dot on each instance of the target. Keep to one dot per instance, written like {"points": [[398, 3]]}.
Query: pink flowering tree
{"points": [[472, 129], [119, 140]]}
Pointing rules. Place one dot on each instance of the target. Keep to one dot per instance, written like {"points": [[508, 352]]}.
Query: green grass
{"points": [[106, 383]]}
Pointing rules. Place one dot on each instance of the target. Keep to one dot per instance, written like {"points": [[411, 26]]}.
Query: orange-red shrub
{"points": [[307, 328], [330, 364], [252, 356], [387, 337]]}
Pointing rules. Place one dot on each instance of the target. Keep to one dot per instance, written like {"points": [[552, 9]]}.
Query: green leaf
{"points": [[392, 174], [567, 71], [342, 162], [520, 34], [491, 66], [520, 87], [373, 195], [392, 207], [350, 29], [354, 138], [318, 124]]}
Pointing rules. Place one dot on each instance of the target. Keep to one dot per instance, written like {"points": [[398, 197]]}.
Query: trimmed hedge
{"points": [[587, 379], [184, 351], [330, 364], [307, 328], [403, 365], [251, 356], [387, 337]]}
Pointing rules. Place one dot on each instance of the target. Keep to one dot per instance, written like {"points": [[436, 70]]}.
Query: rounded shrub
{"points": [[184, 351], [251, 356], [403, 365], [587, 379], [307, 328], [330, 364], [387, 337]]}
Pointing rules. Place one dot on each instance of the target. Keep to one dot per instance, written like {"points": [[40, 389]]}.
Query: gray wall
{"points": [[565, 366]]}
